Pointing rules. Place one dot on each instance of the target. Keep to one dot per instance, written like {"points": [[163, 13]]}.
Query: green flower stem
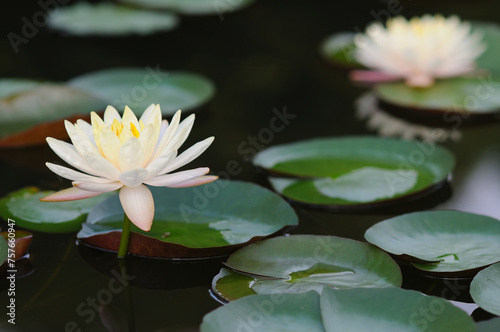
{"points": [[122, 250]]}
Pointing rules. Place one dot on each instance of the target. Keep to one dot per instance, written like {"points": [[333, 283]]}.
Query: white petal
{"points": [[129, 117], [87, 128], [157, 165], [70, 194], [130, 155], [151, 115], [110, 114], [195, 182], [98, 187], [68, 153], [70, 174], [182, 133], [110, 145], [134, 177], [167, 134], [81, 144], [148, 140], [175, 178], [139, 206], [189, 155], [101, 166]]}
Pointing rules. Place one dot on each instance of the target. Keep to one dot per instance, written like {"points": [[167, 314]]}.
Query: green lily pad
{"points": [[492, 325], [491, 36], [12, 86], [339, 50], [390, 309], [41, 104], [192, 7], [485, 289], [138, 88], [354, 171], [449, 243], [25, 207], [473, 96], [108, 19], [267, 312], [211, 220], [300, 263], [358, 309]]}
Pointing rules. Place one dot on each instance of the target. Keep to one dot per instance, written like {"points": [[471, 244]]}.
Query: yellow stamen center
{"points": [[134, 130], [116, 127]]}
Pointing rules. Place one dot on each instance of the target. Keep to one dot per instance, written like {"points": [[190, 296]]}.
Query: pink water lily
{"points": [[126, 153]]}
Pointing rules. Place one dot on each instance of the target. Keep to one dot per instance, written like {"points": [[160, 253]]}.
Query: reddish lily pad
{"points": [[29, 115], [22, 241], [212, 220]]}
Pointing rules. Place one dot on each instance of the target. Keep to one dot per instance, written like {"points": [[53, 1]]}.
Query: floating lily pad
{"points": [[193, 7], [300, 263], [491, 36], [41, 105], [211, 220], [492, 325], [474, 96], [12, 86], [485, 289], [448, 243], [355, 171], [138, 88], [108, 19], [390, 309], [359, 309], [25, 207], [339, 49], [267, 312]]}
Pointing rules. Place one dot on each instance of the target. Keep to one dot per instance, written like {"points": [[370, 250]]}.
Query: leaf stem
{"points": [[122, 250]]}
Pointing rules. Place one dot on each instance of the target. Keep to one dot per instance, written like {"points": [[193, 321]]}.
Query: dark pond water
{"points": [[261, 59]]}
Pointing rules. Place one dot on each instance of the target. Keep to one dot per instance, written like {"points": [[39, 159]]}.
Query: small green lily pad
{"points": [[485, 289], [390, 309], [300, 263], [267, 312], [211, 220], [192, 7], [354, 171], [138, 88], [448, 243], [108, 19], [25, 207], [492, 325], [339, 49], [42, 103]]}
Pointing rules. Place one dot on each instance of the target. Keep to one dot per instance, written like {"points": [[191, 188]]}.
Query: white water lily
{"points": [[126, 153], [421, 49]]}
